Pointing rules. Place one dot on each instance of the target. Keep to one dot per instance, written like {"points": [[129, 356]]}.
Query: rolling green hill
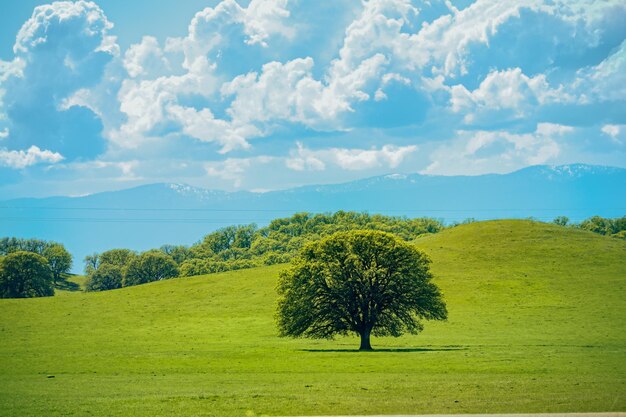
{"points": [[536, 323]]}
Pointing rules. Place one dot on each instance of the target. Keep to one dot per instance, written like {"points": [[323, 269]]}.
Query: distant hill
{"points": [[536, 324], [150, 215]]}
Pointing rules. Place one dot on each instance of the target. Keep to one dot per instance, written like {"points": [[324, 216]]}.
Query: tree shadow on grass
{"points": [[395, 350], [64, 284]]}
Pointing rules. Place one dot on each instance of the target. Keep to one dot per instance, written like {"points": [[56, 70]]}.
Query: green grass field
{"points": [[536, 323]]}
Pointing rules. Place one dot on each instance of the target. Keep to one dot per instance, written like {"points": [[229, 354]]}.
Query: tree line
{"points": [[604, 226], [240, 247], [229, 248]]}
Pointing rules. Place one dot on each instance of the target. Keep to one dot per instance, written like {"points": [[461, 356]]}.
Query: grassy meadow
{"points": [[536, 323]]}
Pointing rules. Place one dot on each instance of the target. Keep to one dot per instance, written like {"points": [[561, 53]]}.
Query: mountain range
{"points": [[151, 215]]}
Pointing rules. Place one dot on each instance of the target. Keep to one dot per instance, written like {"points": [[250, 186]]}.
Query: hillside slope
{"points": [[536, 324]]}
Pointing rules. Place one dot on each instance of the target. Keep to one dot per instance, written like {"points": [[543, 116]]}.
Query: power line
{"points": [[295, 210], [128, 220], [198, 220]]}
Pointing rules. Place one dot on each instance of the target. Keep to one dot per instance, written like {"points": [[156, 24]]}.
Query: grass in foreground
{"points": [[536, 324]]}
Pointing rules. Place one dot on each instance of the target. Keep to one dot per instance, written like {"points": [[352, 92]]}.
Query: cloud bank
{"points": [[270, 93]]}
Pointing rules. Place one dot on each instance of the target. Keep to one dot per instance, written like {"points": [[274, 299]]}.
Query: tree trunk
{"points": [[365, 340]]}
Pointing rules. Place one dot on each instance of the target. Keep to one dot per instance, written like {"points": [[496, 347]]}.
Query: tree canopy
{"points": [[60, 260], [106, 277], [360, 282], [150, 266], [25, 274]]}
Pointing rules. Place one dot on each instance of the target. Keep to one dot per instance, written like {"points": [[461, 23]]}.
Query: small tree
{"points": [[106, 277], [60, 260], [25, 274], [363, 282], [92, 262], [561, 221], [150, 266]]}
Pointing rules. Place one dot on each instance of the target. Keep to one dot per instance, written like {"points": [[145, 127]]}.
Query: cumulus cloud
{"points": [[605, 81], [390, 156], [264, 18], [216, 28], [617, 133], [69, 40], [507, 94], [32, 156], [279, 69], [158, 103], [205, 127], [480, 152], [288, 92], [145, 58], [147, 103], [234, 169], [386, 45]]}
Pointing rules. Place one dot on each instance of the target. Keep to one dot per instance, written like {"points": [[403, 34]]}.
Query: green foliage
{"points": [[363, 282], [598, 224], [60, 260], [118, 257], [225, 239], [561, 221], [25, 274], [193, 267], [179, 253], [11, 244], [149, 266], [240, 247], [106, 277], [91, 263], [237, 247], [604, 226]]}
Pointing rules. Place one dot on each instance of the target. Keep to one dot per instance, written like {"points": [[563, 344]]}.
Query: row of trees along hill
{"points": [[230, 248], [31, 267], [239, 247], [596, 224]]}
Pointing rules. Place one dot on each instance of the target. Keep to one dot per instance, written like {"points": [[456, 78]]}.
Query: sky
{"points": [[270, 94]]}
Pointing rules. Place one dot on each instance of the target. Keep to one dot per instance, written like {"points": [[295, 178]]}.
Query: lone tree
{"points": [[363, 282], [25, 274]]}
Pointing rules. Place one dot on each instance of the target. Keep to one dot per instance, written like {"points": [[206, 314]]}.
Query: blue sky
{"points": [[270, 94]]}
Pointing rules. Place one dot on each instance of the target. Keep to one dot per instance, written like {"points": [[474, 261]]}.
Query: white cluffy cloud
{"points": [[62, 48], [507, 94], [258, 22], [153, 100], [617, 133], [481, 152], [390, 156], [288, 92], [144, 58], [32, 156]]}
